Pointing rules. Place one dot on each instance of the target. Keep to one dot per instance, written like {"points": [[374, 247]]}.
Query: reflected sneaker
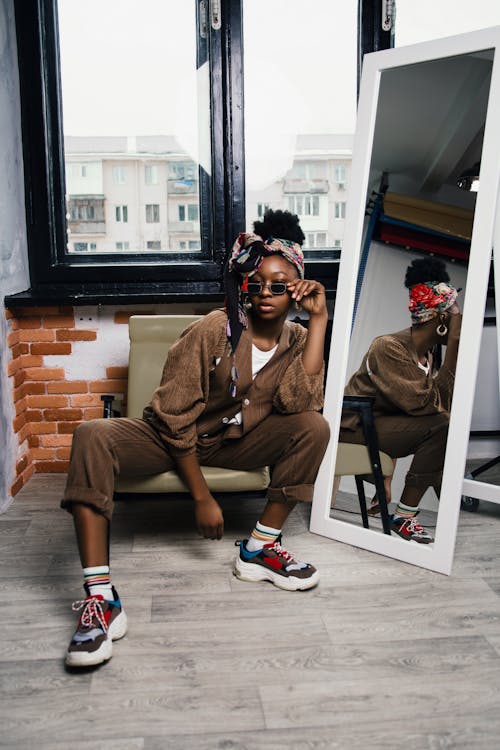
{"points": [[101, 622], [275, 564], [410, 529]]}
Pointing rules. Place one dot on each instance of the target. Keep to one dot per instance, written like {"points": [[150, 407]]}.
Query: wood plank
{"points": [[310, 660], [106, 715], [389, 735], [359, 702]]}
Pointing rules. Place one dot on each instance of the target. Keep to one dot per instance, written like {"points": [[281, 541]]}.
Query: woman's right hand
{"points": [[209, 518]]}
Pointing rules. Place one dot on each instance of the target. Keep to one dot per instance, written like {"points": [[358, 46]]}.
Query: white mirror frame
{"points": [[439, 555]]}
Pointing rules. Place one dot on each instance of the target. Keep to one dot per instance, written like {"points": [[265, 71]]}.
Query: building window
{"points": [[121, 213], [261, 209], [304, 205], [119, 175], [194, 244], [340, 210], [122, 245], [188, 213], [151, 174], [315, 239], [337, 243], [82, 213], [182, 170], [84, 247], [152, 213], [153, 245], [340, 176]]}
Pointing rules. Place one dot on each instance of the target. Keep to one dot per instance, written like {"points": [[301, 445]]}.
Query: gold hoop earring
{"points": [[441, 330]]}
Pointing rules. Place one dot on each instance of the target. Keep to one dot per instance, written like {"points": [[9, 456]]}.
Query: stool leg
{"points": [[362, 500], [382, 501]]}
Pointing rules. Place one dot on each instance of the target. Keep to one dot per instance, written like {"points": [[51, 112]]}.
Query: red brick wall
{"points": [[48, 406]]}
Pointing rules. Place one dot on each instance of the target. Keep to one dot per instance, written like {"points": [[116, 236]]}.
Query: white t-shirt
{"points": [[425, 367], [259, 360]]}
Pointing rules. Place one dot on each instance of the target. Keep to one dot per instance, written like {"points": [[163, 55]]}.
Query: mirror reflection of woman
{"points": [[412, 399]]}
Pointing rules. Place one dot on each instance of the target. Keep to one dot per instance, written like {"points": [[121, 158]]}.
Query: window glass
{"points": [[115, 123], [339, 210], [151, 174], [300, 105], [428, 19], [152, 213]]}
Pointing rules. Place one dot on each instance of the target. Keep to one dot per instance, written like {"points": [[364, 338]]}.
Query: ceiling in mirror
{"points": [[439, 107]]}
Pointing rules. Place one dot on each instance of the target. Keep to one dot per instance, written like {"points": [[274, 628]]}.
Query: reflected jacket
{"points": [[390, 374]]}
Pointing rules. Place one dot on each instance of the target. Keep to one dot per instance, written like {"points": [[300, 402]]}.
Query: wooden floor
{"points": [[380, 655]]}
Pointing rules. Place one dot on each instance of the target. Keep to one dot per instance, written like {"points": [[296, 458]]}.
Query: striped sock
{"points": [[98, 581], [262, 535], [405, 511]]}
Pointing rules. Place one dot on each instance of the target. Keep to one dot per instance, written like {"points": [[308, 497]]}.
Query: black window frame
{"points": [[43, 146], [222, 209]]}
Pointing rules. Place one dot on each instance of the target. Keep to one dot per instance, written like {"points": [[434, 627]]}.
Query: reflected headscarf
{"points": [[430, 299]]}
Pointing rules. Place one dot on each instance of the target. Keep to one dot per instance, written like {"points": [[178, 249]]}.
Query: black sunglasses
{"points": [[276, 287]]}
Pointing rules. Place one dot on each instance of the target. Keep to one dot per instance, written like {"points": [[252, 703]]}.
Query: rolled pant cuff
{"points": [[87, 496], [302, 493]]}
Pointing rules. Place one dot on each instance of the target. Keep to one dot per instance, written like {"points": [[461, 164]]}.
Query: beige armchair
{"points": [[151, 336]]}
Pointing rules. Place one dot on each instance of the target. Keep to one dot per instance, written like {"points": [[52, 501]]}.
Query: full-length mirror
{"points": [[410, 300]]}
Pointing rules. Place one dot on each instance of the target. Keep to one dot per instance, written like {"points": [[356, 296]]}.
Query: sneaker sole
{"points": [[118, 627], [412, 539], [254, 573], [117, 630]]}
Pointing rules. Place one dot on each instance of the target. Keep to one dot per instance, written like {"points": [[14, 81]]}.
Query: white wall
{"points": [[14, 275]]}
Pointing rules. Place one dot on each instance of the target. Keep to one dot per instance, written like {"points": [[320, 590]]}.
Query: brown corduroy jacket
{"points": [[194, 398], [390, 374]]}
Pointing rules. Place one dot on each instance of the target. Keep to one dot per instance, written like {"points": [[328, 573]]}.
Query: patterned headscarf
{"points": [[429, 299], [248, 252]]}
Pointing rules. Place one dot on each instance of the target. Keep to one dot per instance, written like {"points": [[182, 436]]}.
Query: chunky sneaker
{"points": [[410, 529], [275, 564], [101, 622]]}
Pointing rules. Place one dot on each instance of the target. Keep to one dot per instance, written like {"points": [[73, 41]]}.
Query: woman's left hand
{"points": [[310, 295]]}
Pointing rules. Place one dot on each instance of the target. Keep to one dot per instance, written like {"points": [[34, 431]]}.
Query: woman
{"points": [[240, 389], [411, 401]]}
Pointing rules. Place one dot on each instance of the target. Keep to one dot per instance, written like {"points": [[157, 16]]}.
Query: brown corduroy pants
{"points": [[403, 435], [292, 445]]}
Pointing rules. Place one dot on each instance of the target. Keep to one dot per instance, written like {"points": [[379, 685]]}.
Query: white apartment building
{"points": [[315, 188], [141, 194]]}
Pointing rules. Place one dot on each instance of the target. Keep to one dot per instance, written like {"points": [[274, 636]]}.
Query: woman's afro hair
{"points": [[280, 224], [425, 269]]}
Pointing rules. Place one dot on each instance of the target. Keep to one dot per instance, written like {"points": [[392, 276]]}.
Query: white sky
{"points": [[128, 67]]}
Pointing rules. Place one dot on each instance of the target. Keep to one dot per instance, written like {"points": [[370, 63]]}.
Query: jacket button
{"points": [[225, 420], [246, 402]]}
